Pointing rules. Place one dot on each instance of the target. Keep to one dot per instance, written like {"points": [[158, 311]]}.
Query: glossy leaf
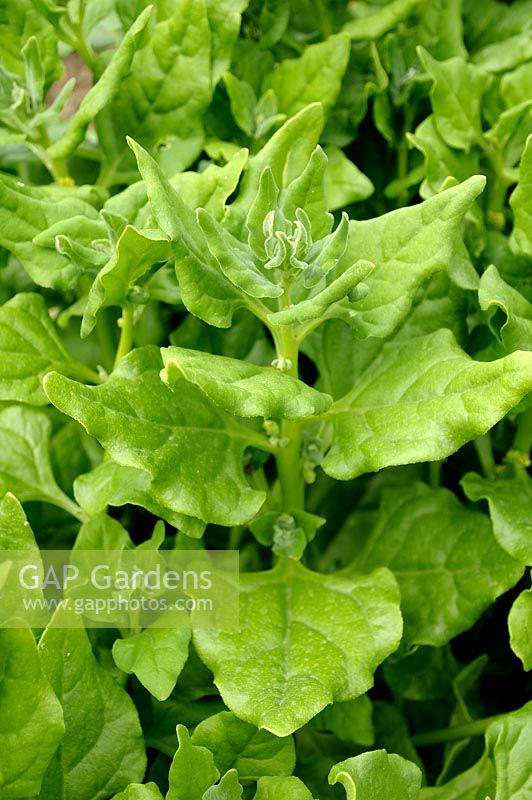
{"points": [[520, 625], [421, 400], [193, 770], [241, 388], [436, 548], [262, 671], [375, 775], [521, 204]]}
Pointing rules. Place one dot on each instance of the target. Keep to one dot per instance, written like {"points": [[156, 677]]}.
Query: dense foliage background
{"points": [[347, 403]]}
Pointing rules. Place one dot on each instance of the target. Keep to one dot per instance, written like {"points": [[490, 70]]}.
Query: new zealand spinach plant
{"points": [[266, 286]]}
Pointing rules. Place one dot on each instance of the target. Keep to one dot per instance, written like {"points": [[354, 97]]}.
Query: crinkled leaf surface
{"points": [[192, 450], [520, 625], [28, 210], [103, 749], [238, 745], [242, 388], [406, 246], [420, 400], [377, 775], [447, 563], [509, 501], [291, 657]]}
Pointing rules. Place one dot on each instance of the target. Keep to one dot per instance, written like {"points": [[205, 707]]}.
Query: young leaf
{"points": [[100, 718], [520, 625], [103, 91], [501, 300], [421, 400], [521, 239], [25, 467], [377, 776], [444, 557], [262, 670], [290, 788], [32, 725], [240, 388], [26, 211], [206, 291], [344, 182], [509, 502], [156, 656], [142, 424], [375, 25], [456, 97], [140, 791], [229, 788], [225, 17], [236, 744], [316, 76], [508, 743], [407, 246], [351, 721], [30, 347], [193, 770], [135, 254]]}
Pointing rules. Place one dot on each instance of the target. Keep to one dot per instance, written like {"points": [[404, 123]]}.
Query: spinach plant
{"points": [[217, 332]]}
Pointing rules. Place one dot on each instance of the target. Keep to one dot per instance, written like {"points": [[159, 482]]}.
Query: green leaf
{"points": [[520, 625], [103, 91], [29, 348], [441, 161], [261, 669], [32, 721], [26, 211], [509, 504], [456, 97], [156, 656], [235, 259], [421, 400], [205, 290], [240, 388], [192, 450], [316, 76], [476, 783], [100, 718], [229, 788], [373, 26], [166, 92], [447, 563], [510, 314], [236, 744], [25, 467], [287, 154], [135, 254], [138, 791], [225, 18], [193, 770], [344, 182], [243, 101], [307, 191], [521, 239], [288, 788], [20, 20], [508, 743], [116, 485], [377, 776], [351, 721], [407, 246]]}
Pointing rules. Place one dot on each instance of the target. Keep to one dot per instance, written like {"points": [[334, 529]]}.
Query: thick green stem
{"points": [[126, 334], [523, 436], [289, 457], [476, 728], [485, 455]]}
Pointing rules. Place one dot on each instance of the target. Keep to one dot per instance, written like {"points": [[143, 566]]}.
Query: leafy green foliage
{"points": [[266, 286]]}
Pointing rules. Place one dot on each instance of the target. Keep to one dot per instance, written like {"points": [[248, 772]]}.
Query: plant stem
{"points": [[87, 373], [126, 334], [485, 455], [435, 468], [476, 728], [523, 435], [289, 458]]}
